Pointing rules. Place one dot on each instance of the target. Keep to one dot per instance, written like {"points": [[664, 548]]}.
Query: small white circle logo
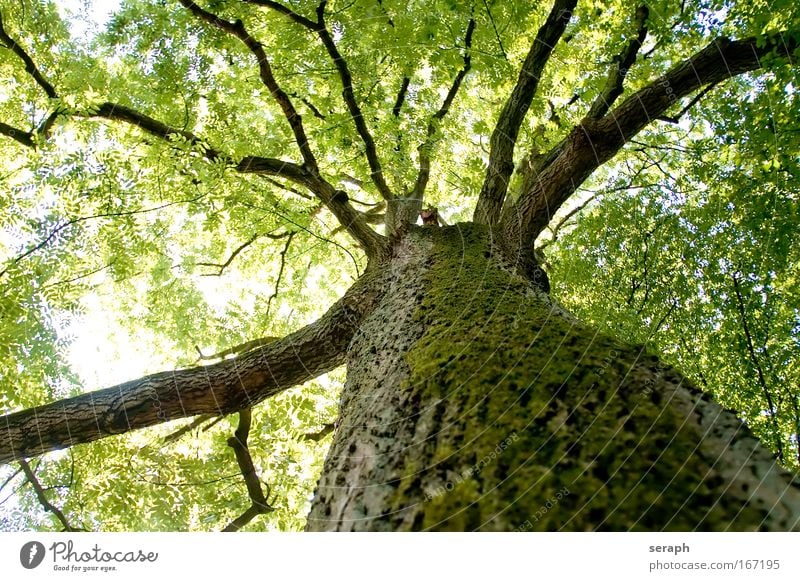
{"points": [[31, 554]]}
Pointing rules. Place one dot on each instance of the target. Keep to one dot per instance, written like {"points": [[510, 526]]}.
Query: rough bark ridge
{"points": [[474, 402]]}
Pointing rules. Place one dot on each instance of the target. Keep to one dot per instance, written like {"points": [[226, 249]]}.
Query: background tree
{"points": [[208, 174]]}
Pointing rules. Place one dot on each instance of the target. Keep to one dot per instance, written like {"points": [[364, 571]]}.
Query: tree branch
{"points": [[557, 228], [317, 436], [281, 268], [118, 112], [622, 63], [762, 382], [260, 504], [373, 243], [237, 350], [265, 166], [238, 30], [42, 497], [504, 136], [286, 11], [321, 30], [30, 66], [674, 119], [376, 171], [594, 141], [222, 388], [196, 423], [236, 251], [496, 33], [407, 210], [23, 137], [26, 137], [424, 148], [401, 96]]}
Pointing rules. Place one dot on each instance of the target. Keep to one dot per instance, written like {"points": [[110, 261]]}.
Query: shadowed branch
{"points": [[42, 498], [259, 501]]}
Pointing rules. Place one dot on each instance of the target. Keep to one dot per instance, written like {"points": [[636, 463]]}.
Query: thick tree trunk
{"points": [[473, 402]]}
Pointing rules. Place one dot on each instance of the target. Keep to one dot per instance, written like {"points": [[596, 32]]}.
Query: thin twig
{"points": [[280, 271]]}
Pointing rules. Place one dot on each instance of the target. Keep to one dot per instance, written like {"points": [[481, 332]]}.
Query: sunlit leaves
{"points": [[143, 254]]}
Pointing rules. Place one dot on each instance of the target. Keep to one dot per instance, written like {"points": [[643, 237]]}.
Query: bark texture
{"points": [[474, 402]]}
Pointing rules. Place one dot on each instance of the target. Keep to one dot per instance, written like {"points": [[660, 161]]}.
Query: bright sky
{"points": [[87, 16]]}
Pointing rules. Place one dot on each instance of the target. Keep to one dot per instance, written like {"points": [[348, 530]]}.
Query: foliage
{"points": [[697, 259], [115, 243]]}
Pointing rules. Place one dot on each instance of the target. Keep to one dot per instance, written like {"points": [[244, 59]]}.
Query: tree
{"points": [[473, 398]]}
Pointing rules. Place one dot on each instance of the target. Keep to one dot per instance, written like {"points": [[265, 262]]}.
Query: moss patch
{"points": [[594, 446]]}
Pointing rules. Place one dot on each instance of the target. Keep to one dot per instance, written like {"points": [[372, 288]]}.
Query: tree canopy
{"points": [[179, 179]]}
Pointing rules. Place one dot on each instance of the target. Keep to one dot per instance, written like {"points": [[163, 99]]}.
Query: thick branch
{"points": [[352, 105], [317, 436], [117, 112], [720, 60], [267, 166], [372, 242], [401, 96], [23, 137], [504, 136], [236, 350], [286, 11], [223, 388], [622, 63], [26, 137], [594, 141]]}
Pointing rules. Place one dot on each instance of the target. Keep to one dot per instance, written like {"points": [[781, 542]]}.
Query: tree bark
{"points": [[474, 402]]}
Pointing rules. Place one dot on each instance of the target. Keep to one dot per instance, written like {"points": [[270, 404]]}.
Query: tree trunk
{"points": [[474, 402]]}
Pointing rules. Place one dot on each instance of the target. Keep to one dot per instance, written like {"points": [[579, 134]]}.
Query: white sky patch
{"points": [[87, 17], [101, 362]]}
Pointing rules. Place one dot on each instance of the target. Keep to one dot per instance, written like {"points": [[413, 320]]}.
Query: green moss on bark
{"points": [[593, 443]]}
